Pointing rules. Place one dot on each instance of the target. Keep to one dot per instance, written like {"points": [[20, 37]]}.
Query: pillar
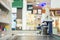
{"points": [[24, 11]]}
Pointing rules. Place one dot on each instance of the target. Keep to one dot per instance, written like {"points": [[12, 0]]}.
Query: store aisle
{"points": [[34, 38]]}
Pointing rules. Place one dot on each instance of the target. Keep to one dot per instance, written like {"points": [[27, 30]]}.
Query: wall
{"points": [[55, 3]]}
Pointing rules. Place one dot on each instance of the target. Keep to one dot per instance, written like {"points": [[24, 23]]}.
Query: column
{"points": [[24, 11]]}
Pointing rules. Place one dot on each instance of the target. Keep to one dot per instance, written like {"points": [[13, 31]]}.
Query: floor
{"points": [[31, 35], [34, 38]]}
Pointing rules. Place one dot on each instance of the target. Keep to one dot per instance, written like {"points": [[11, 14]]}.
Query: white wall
{"points": [[55, 3]]}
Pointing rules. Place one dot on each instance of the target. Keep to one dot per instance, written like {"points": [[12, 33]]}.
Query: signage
{"points": [[42, 4], [17, 4]]}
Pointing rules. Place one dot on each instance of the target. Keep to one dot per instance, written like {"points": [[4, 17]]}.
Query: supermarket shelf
{"points": [[54, 8], [4, 22], [4, 5]]}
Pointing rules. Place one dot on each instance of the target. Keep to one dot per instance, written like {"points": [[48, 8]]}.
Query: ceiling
{"points": [[32, 1]]}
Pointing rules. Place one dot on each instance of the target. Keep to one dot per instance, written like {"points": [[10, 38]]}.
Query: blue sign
{"points": [[42, 4]]}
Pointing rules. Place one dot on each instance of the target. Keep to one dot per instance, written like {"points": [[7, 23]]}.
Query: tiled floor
{"points": [[34, 38]]}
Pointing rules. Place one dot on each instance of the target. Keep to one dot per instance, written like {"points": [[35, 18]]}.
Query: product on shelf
{"points": [[7, 27]]}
